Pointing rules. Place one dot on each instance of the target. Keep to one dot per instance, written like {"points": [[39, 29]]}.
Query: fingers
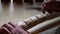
{"points": [[4, 30], [12, 28], [18, 29], [8, 26], [14, 25]]}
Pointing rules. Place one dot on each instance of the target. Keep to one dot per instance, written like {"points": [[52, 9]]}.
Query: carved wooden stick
{"points": [[32, 21], [44, 25]]}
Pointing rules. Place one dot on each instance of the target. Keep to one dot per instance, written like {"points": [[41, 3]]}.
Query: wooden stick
{"points": [[32, 21], [29, 22], [44, 25]]}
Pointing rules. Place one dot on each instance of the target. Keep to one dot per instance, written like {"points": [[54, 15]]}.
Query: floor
{"points": [[15, 12]]}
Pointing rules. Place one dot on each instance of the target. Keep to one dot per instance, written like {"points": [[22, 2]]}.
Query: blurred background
{"points": [[18, 10]]}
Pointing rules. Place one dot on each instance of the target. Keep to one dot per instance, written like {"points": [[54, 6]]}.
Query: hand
{"points": [[11, 28], [51, 7]]}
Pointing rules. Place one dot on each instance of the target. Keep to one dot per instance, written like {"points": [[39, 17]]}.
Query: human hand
{"points": [[11, 28]]}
